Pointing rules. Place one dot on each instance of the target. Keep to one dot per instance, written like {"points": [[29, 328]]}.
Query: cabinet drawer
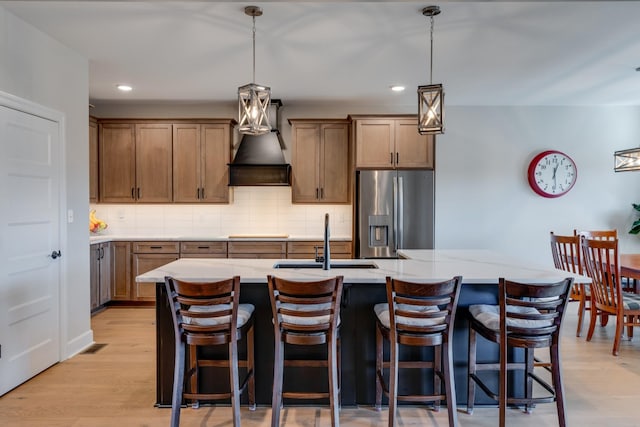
{"points": [[257, 248], [187, 248], [255, 255], [156, 247], [308, 247]]}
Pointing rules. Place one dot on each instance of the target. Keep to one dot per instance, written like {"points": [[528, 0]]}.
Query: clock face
{"points": [[552, 173]]}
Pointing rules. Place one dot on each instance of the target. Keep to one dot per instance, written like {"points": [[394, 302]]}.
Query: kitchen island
{"points": [[363, 288]]}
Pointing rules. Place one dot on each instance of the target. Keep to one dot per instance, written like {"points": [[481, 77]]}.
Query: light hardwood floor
{"points": [[116, 387]]}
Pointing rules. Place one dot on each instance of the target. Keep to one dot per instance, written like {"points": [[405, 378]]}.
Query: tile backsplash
{"points": [[254, 210]]}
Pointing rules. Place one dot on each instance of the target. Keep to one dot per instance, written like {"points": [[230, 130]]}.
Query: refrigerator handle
{"points": [[400, 217], [395, 214]]}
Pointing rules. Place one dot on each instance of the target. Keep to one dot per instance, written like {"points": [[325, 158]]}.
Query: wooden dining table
{"points": [[630, 268]]}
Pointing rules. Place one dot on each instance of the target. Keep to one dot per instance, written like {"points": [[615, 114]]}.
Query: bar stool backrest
{"points": [[204, 313], [531, 314], [422, 311], [306, 310]]}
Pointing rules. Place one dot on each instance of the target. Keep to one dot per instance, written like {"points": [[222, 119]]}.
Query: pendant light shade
{"points": [[253, 99], [431, 96], [627, 160]]}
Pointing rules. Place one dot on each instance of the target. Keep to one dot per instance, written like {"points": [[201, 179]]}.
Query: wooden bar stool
{"points": [[306, 314], [419, 315], [209, 314], [528, 316]]}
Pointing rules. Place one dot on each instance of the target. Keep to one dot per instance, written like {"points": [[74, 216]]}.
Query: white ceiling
{"points": [[485, 53]]}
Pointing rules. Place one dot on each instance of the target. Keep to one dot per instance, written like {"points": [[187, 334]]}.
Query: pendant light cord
{"points": [[254, 48], [431, 54]]}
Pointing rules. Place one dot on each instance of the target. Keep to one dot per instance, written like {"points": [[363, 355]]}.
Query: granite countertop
{"points": [[101, 238], [476, 266]]}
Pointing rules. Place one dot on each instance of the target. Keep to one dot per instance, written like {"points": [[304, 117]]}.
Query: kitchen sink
{"points": [[334, 264]]}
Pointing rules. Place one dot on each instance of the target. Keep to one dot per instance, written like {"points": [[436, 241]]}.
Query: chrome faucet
{"points": [[326, 258]]}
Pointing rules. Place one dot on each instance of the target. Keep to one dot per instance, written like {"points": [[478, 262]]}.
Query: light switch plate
{"points": [[70, 216]]}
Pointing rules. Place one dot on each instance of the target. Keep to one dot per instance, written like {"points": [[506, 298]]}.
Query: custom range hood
{"points": [[259, 159]]}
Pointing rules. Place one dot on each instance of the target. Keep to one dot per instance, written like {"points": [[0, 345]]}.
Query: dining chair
{"points": [[417, 315], [528, 316], [306, 314], [597, 234], [209, 314], [602, 266], [566, 253]]}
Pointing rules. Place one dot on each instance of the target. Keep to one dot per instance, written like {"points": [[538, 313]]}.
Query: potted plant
{"points": [[635, 227]]}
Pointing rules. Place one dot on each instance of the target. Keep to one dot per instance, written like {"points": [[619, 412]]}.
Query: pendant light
{"points": [[431, 96], [253, 99], [627, 160]]}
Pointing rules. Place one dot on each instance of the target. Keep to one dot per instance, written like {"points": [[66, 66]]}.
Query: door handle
{"points": [[55, 254]]}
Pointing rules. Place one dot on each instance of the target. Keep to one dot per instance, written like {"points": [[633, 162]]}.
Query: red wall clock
{"points": [[552, 173]]}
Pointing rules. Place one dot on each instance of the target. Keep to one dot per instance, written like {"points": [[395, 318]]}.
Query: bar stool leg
{"points": [[333, 381], [471, 368], [554, 351], [379, 361], [452, 407], [503, 383], [437, 367], [234, 382], [528, 380], [393, 380], [178, 385], [278, 365], [251, 366]]}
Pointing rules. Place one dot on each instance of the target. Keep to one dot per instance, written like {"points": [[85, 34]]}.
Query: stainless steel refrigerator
{"points": [[395, 210]]}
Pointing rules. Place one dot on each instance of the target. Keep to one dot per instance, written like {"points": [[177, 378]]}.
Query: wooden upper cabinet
{"points": [[117, 162], [153, 160], [374, 143], [412, 149], [93, 160], [320, 161], [186, 163], [390, 143], [201, 153]]}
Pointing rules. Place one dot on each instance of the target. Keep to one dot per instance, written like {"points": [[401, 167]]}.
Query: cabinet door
{"points": [[305, 163], [216, 154], [146, 291], [93, 161], [153, 163], [186, 163], [105, 274], [374, 143], [117, 163], [334, 161], [412, 149], [120, 271], [94, 276]]}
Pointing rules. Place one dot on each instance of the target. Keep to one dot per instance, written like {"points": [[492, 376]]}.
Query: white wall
{"points": [[36, 67], [483, 199]]}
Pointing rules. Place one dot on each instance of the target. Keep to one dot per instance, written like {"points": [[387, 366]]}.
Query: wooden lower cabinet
{"points": [[203, 249], [147, 256], [257, 249], [100, 274], [120, 271], [306, 249]]}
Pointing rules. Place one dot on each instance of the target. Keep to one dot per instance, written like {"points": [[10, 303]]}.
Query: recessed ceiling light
{"points": [[124, 88], [397, 88]]}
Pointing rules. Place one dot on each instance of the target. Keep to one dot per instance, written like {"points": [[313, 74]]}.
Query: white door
{"points": [[29, 234]]}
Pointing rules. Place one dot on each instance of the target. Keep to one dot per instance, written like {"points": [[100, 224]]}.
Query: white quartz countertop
{"points": [[475, 266], [97, 238]]}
